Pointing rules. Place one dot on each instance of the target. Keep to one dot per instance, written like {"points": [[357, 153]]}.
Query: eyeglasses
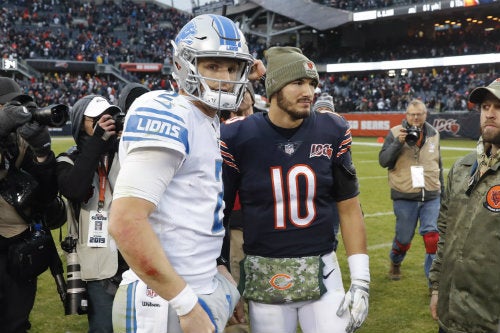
{"points": [[415, 115]]}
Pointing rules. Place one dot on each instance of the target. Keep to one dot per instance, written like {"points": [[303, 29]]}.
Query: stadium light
{"points": [[414, 63]]}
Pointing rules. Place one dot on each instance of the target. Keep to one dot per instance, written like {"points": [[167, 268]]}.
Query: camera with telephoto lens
{"points": [[76, 293], [412, 133], [54, 115]]}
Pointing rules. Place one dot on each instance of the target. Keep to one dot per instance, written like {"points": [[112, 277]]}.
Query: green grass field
{"points": [[395, 306]]}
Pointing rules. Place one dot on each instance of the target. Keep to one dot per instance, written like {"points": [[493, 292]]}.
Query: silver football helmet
{"points": [[207, 36]]}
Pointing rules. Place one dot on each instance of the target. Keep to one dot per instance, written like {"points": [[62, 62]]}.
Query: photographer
{"points": [[86, 175], [28, 189], [411, 152]]}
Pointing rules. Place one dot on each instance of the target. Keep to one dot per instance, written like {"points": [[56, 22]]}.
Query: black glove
{"points": [[106, 142], [37, 136], [13, 115]]}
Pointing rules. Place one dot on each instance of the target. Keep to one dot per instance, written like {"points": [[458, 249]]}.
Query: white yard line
{"points": [[373, 177], [376, 144], [378, 214], [379, 246]]}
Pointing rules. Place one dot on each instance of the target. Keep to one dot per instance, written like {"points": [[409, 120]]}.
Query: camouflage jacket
{"points": [[467, 266]]}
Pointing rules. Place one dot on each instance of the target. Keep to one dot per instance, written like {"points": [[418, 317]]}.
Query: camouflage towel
{"points": [[281, 280]]}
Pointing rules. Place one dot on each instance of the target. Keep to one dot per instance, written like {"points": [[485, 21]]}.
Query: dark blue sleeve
{"points": [[346, 184]]}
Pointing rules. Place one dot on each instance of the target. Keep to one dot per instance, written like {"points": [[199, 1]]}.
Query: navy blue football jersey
{"points": [[287, 187]]}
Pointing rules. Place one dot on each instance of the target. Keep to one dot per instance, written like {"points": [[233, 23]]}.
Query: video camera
{"points": [[54, 115], [412, 133]]}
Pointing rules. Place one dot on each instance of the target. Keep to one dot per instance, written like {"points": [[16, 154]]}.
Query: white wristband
{"points": [[359, 266], [184, 302]]}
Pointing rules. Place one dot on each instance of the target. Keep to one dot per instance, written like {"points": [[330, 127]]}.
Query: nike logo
{"points": [[327, 275]]}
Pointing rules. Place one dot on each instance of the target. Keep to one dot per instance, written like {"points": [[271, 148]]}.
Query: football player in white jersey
{"points": [[166, 215]]}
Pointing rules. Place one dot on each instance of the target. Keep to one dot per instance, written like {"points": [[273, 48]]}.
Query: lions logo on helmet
{"points": [[210, 36]]}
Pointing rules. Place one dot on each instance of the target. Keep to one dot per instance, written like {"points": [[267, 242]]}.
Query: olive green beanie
{"points": [[284, 65]]}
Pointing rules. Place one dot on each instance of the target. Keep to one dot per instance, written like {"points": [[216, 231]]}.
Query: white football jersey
{"points": [[188, 217]]}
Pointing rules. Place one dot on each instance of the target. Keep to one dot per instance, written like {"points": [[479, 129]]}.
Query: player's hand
{"points": [[13, 115], [196, 321], [433, 306], [238, 314], [356, 299], [257, 71]]}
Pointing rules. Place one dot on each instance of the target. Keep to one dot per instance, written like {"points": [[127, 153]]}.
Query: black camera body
{"points": [[119, 119], [412, 133], [117, 115], [54, 115], [76, 293]]}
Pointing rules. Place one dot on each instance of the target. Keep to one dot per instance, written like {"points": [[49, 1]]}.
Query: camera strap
{"points": [[103, 169]]}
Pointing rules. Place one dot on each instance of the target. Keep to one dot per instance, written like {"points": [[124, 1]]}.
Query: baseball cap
{"points": [[10, 90], [477, 95], [99, 105]]}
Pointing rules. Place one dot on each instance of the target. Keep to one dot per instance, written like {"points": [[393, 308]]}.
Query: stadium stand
{"points": [[63, 50]]}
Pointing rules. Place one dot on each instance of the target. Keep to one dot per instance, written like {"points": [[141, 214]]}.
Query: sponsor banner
{"points": [[44, 65], [449, 124], [456, 124], [372, 124], [61, 131], [141, 67]]}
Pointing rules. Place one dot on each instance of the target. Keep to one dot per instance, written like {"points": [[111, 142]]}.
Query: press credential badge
{"points": [[417, 176], [98, 229]]}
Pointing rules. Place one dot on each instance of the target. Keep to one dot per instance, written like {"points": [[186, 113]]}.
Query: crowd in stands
{"points": [[79, 30], [446, 43], [140, 32], [441, 91]]}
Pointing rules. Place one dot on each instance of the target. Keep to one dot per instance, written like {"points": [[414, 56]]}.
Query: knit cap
{"points": [[324, 101], [477, 95], [284, 65], [10, 90]]}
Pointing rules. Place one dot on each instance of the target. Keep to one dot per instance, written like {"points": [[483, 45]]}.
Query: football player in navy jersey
{"points": [[289, 166]]}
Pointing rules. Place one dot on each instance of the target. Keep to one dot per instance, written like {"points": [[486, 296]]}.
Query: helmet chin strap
{"points": [[218, 98]]}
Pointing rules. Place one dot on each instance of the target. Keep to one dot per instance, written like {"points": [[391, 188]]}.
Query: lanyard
{"points": [[103, 176]]}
